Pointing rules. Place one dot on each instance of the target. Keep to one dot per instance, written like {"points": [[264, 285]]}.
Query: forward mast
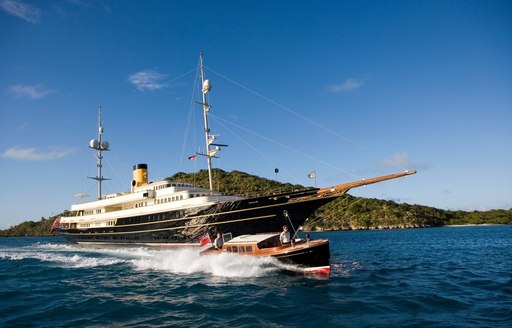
{"points": [[100, 146]]}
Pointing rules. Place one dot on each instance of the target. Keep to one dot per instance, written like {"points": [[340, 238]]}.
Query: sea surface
{"points": [[438, 277]]}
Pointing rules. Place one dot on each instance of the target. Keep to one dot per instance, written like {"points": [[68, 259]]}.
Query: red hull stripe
{"points": [[324, 270]]}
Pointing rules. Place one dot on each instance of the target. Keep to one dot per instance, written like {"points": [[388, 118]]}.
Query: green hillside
{"points": [[29, 229]]}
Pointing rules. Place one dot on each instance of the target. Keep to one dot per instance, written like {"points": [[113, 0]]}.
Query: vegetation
{"points": [[362, 213], [346, 213], [235, 183], [30, 228]]}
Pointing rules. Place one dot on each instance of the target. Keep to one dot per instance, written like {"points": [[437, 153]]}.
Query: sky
{"points": [[346, 89]]}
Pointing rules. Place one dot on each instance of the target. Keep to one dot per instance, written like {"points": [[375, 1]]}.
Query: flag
{"points": [[312, 175], [192, 158], [55, 224], [204, 240]]}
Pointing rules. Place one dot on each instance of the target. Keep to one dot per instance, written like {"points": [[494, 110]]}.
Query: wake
{"points": [[183, 261]]}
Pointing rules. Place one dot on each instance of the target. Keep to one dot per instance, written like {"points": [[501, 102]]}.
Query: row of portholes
{"points": [[130, 238], [90, 212], [141, 204], [168, 199], [197, 195], [151, 218], [96, 224], [172, 185]]}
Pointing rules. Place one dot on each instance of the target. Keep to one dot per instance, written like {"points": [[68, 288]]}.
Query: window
{"points": [[248, 249]]}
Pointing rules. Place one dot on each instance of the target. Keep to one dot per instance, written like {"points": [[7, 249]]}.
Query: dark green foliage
{"points": [[348, 212], [30, 228], [477, 217], [362, 213], [235, 183]]}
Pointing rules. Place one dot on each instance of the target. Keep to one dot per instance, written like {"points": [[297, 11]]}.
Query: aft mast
{"points": [[100, 146], [209, 138]]}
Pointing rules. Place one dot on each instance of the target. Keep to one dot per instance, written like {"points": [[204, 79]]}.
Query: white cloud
{"points": [[147, 80], [30, 154], [402, 160], [30, 91], [348, 85], [23, 126], [22, 10]]}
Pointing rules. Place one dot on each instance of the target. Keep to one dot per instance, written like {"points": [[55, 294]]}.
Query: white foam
{"points": [[62, 260], [189, 261], [67, 256]]}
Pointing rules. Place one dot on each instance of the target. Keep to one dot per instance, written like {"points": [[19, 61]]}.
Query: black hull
{"points": [[317, 256], [184, 227]]}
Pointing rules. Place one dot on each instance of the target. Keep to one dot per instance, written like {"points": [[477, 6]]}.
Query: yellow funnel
{"points": [[140, 175]]}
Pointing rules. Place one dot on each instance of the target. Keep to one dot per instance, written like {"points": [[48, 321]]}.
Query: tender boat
{"points": [[305, 256], [176, 213]]}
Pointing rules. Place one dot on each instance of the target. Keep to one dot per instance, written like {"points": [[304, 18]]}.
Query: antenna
{"points": [[100, 146]]}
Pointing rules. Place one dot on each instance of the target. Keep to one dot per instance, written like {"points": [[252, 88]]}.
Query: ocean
{"points": [[435, 277]]}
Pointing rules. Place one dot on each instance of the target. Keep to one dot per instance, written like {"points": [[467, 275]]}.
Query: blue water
{"points": [[441, 277]]}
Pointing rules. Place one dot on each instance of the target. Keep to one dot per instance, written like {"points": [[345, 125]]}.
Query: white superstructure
{"points": [[144, 199]]}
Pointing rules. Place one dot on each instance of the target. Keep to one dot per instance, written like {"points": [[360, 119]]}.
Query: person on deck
{"points": [[285, 236], [218, 242]]}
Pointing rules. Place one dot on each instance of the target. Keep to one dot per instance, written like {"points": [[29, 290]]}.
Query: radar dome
{"points": [[104, 145], [94, 143], [206, 86]]}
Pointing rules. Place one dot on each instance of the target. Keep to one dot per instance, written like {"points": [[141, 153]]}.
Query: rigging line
{"points": [[82, 166], [254, 149], [179, 77], [167, 84], [307, 119], [123, 180], [189, 120], [285, 146]]}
